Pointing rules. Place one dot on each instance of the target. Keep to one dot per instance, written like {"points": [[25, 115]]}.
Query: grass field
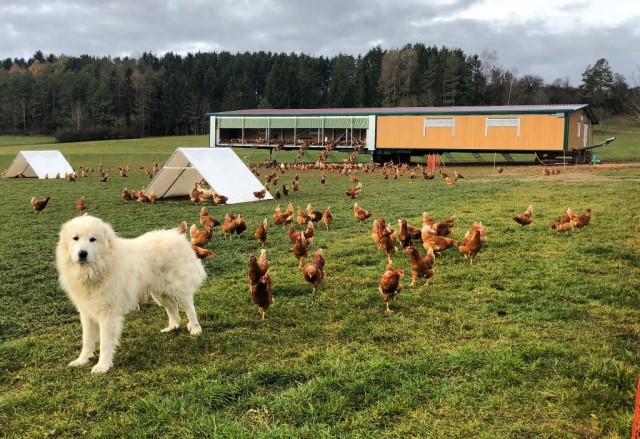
{"points": [[539, 338]]}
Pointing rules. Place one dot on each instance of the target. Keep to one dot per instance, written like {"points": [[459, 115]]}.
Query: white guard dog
{"points": [[107, 276]]}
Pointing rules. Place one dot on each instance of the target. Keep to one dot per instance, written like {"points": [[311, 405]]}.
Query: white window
{"points": [[579, 125], [502, 122], [439, 123]]}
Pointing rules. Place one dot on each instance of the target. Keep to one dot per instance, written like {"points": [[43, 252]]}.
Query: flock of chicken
{"points": [[432, 235], [565, 223]]}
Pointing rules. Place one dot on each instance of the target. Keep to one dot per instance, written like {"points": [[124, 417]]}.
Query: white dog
{"points": [[107, 276]]}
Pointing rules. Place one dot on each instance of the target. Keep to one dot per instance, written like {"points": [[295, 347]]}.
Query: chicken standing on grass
{"points": [[206, 219], [472, 242], [390, 285], [202, 253], [300, 249], [261, 232], [314, 271], [260, 194], [327, 218], [421, 267], [219, 199], [360, 213], [314, 215], [525, 218], [353, 192], [261, 294], [80, 205], [579, 221], [387, 243], [199, 238], [258, 267], [38, 206]]}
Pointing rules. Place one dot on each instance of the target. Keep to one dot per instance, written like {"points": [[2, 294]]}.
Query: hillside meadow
{"points": [[539, 337]]}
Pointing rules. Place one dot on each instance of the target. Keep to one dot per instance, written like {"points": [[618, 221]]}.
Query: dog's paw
{"points": [[100, 368], [194, 329], [78, 362], [170, 328], [81, 360]]}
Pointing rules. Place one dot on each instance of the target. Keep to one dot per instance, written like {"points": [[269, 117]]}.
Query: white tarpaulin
{"points": [[39, 164], [223, 170]]}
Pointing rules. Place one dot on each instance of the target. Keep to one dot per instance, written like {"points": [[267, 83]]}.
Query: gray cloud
{"points": [[128, 28]]}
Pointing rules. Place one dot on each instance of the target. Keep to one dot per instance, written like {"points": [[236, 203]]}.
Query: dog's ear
{"points": [[108, 235]]}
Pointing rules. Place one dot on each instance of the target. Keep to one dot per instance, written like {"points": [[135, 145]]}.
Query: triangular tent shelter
{"points": [[220, 167], [39, 164]]}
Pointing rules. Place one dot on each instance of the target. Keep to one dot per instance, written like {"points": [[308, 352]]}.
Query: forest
{"points": [[96, 98]]}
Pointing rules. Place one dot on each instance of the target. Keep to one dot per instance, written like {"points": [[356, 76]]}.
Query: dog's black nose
{"points": [[82, 255]]}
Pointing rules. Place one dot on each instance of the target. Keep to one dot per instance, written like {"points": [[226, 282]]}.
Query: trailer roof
{"points": [[503, 109]]}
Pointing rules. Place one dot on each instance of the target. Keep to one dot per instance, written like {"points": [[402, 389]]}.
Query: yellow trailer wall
{"points": [[538, 132], [580, 130]]}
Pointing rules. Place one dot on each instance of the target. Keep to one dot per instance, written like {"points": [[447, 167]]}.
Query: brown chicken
{"points": [[219, 199], [203, 197], [390, 284], [261, 294], [241, 225], [38, 206], [387, 243], [563, 223], [229, 224], [433, 227], [353, 192], [80, 206], [450, 181], [142, 198], [206, 219], [360, 213], [525, 218], [408, 233], [437, 243], [201, 253], [300, 249], [258, 267], [471, 243], [327, 218], [261, 232], [579, 221], [281, 218], [477, 225], [314, 271], [314, 215], [199, 238], [302, 218], [421, 267], [378, 227], [126, 195], [261, 194], [309, 232]]}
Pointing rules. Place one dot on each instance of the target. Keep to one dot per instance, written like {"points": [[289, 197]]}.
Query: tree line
{"points": [[91, 98]]}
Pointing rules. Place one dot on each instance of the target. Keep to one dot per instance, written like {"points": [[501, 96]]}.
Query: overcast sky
{"points": [[550, 38]]}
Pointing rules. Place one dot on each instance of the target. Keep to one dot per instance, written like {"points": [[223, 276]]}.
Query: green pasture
{"points": [[539, 338]]}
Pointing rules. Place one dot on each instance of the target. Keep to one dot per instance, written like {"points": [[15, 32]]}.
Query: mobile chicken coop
{"points": [[549, 131]]}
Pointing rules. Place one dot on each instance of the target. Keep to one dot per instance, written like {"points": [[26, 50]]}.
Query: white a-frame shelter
{"points": [[223, 170], [40, 164]]}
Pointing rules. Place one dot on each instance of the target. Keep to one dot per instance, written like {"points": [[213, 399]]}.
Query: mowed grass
{"points": [[539, 338]]}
